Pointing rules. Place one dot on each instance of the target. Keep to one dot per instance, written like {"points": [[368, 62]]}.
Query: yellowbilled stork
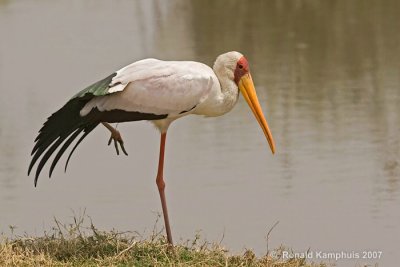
{"points": [[153, 90]]}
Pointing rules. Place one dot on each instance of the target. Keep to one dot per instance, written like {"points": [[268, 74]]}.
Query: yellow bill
{"points": [[246, 86]]}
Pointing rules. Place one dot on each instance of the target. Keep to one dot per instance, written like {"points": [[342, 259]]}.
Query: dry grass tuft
{"points": [[76, 245]]}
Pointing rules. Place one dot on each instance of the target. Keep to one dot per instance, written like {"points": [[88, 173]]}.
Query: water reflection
{"points": [[327, 75], [331, 70]]}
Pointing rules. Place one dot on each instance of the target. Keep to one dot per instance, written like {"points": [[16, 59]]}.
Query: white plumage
{"points": [[157, 87]]}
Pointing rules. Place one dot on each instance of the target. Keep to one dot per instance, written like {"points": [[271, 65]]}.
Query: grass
{"points": [[78, 245]]}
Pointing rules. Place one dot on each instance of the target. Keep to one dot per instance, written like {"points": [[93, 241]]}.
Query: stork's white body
{"points": [[176, 88]]}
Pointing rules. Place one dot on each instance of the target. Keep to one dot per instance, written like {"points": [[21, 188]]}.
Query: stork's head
{"points": [[236, 67]]}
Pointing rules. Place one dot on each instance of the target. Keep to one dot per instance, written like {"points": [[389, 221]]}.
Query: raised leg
{"points": [[116, 136], [161, 187]]}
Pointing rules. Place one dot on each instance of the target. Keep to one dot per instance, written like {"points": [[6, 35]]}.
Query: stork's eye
{"points": [[240, 66]]}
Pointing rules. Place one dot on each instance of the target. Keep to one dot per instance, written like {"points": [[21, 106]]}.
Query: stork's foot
{"points": [[116, 136]]}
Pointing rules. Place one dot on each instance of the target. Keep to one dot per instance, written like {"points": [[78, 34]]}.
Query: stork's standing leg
{"points": [[116, 136], [161, 187]]}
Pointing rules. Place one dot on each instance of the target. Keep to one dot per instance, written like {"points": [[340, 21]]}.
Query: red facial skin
{"points": [[242, 68]]}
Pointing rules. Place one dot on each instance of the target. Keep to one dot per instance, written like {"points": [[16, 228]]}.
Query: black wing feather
{"points": [[63, 148], [61, 124], [86, 132], [65, 125]]}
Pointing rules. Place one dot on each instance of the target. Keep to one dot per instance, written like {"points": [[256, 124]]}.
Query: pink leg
{"points": [[161, 187]]}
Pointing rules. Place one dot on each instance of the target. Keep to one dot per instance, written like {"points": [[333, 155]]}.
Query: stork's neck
{"points": [[229, 90], [223, 95]]}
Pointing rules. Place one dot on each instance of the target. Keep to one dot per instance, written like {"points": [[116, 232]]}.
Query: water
{"points": [[327, 75]]}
